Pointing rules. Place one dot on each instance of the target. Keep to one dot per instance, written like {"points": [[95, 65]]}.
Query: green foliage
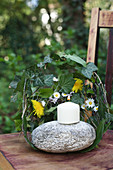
{"points": [[18, 124], [25, 132], [23, 38], [88, 70], [6, 123], [48, 79], [38, 82], [47, 59], [74, 58], [51, 109], [90, 91], [76, 98], [45, 93], [14, 83], [66, 82], [9, 65]]}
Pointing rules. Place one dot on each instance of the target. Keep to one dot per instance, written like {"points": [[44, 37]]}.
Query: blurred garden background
{"points": [[33, 29]]}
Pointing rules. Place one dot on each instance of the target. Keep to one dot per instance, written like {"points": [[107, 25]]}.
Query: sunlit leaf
{"points": [[18, 124], [73, 57], [45, 93]]}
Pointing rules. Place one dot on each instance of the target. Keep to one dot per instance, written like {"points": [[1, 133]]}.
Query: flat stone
{"points": [[59, 138]]}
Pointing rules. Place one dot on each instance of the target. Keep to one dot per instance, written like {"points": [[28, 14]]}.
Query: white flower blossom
{"points": [[72, 92], [56, 95], [55, 79], [95, 108], [64, 94], [90, 103], [43, 103], [50, 97], [83, 106], [53, 100]]}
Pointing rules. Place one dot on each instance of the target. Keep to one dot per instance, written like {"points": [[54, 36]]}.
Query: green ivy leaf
{"points": [[66, 82], [18, 124], [51, 109], [14, 97], [20, 84], [88, 70], [48, 79], [77, 99], [47, 59], [45, 93], [14, 83], [38, 82], [73, 58]]}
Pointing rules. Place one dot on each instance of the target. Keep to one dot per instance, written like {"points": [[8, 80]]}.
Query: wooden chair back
{"points": [[101, 19]]}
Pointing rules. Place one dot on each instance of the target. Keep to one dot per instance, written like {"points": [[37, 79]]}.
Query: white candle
{"points": [[68, 113]]}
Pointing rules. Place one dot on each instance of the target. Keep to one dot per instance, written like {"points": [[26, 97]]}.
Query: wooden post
{"points": [[101, 19], [92, 42], [106, 19], [109, 67]]}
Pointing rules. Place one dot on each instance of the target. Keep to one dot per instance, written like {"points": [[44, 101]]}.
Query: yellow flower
{"points": [[38, 108], [78, 85]]}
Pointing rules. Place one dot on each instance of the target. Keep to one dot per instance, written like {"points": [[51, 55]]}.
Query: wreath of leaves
{"points": [[23, 89]]}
